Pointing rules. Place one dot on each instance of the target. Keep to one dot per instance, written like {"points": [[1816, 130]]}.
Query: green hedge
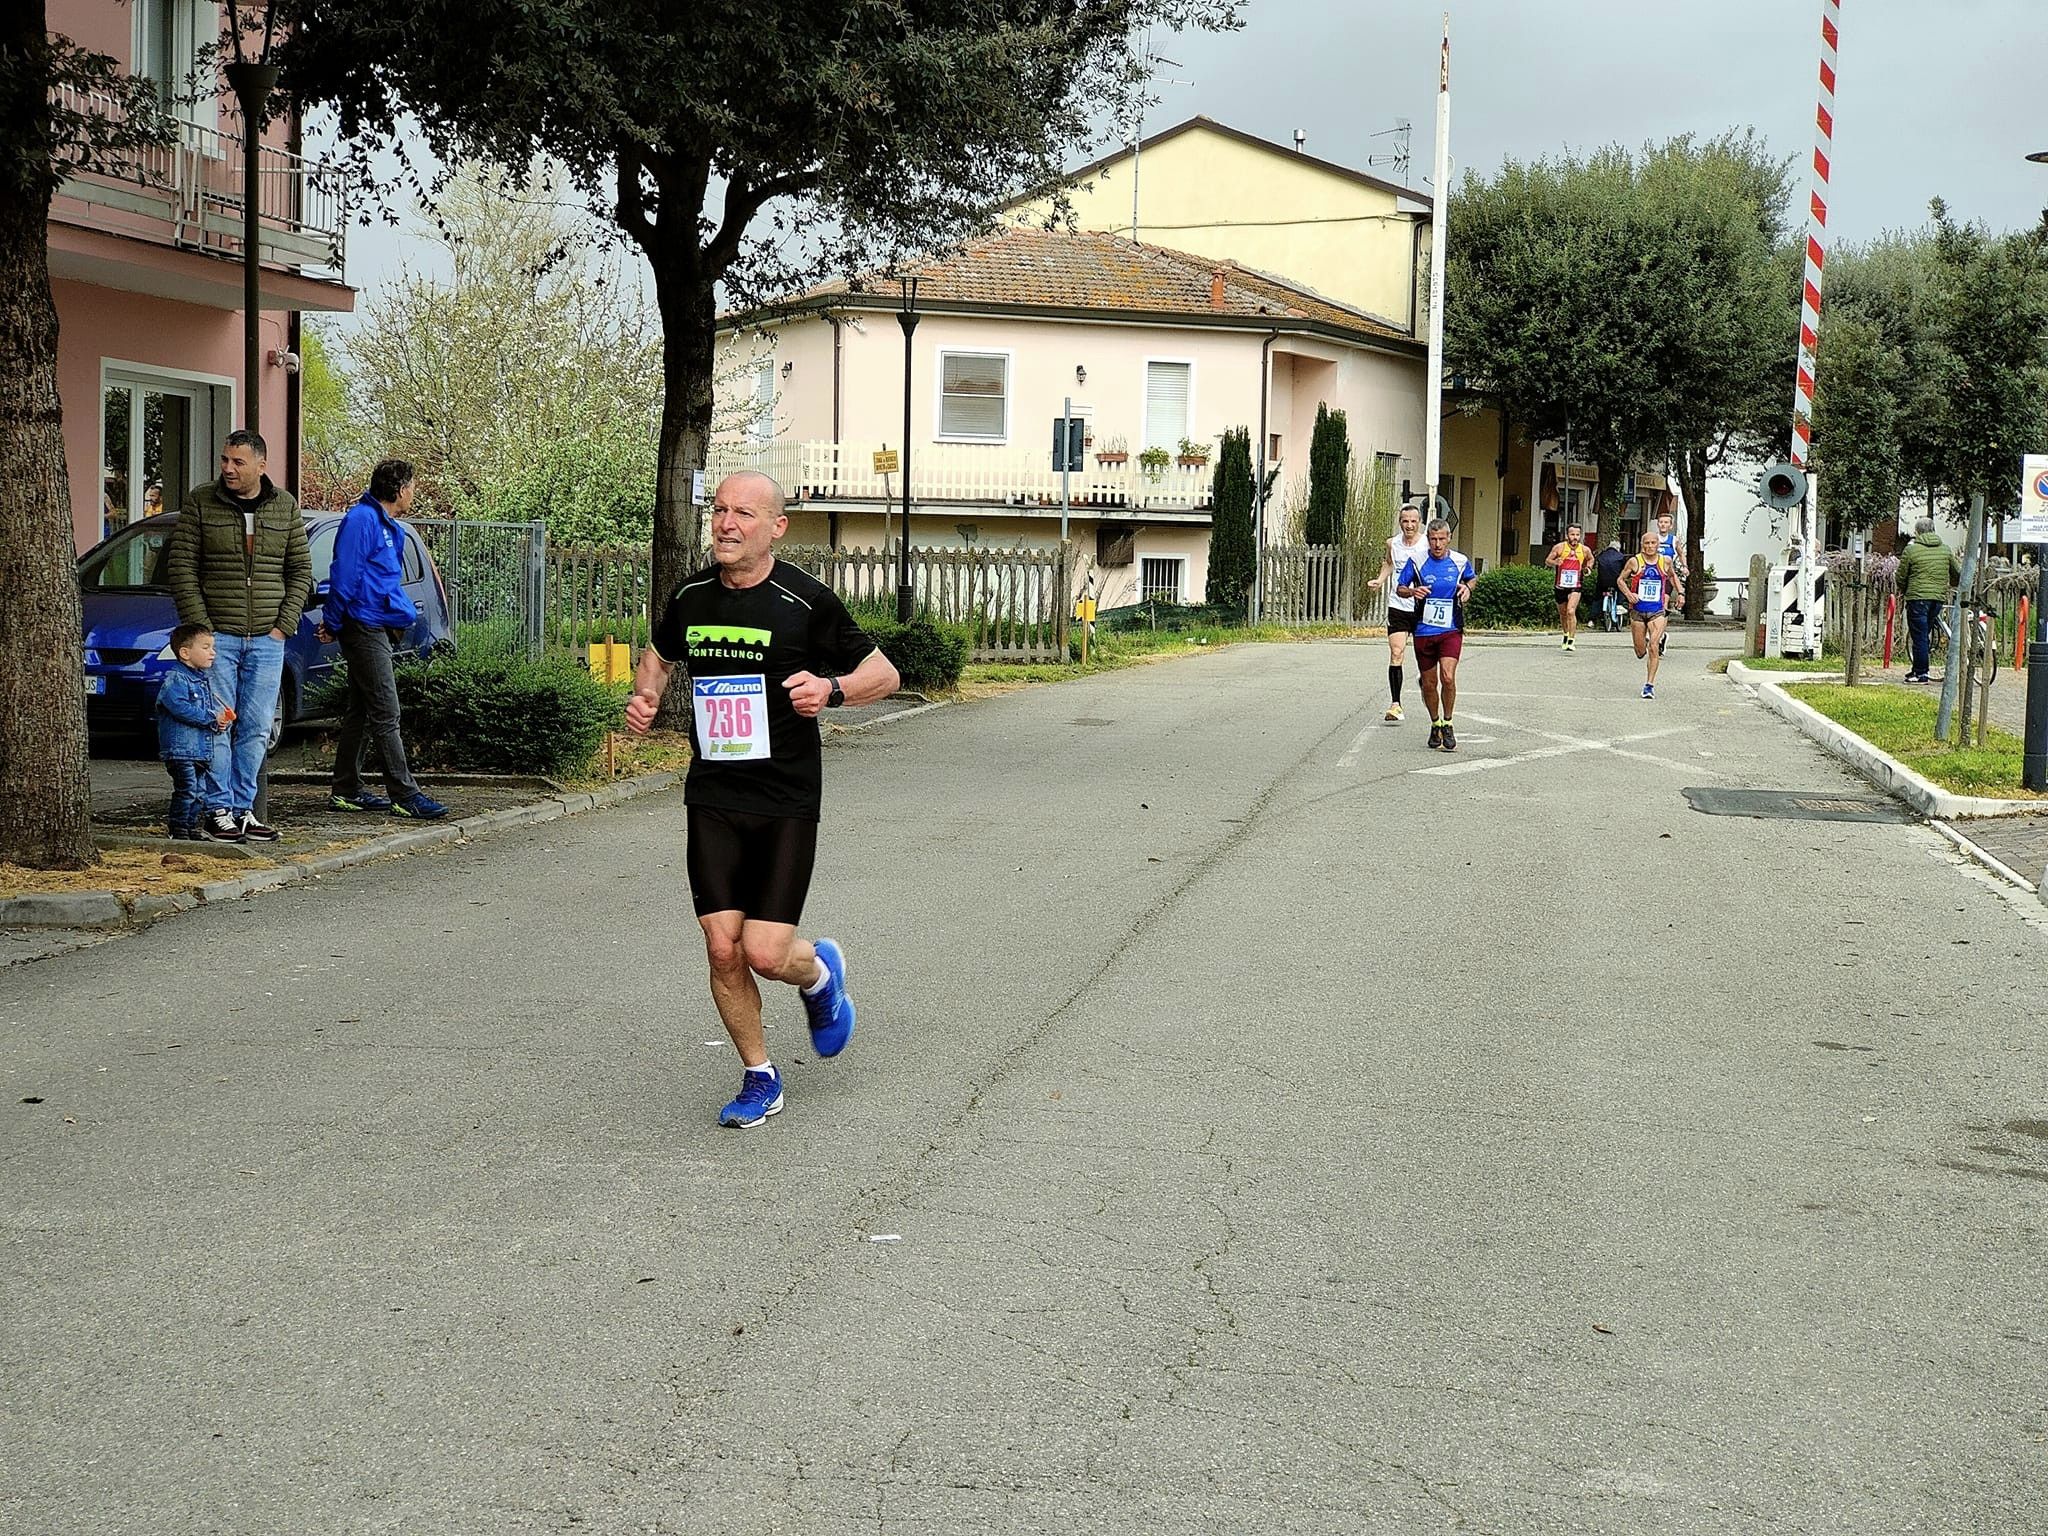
{"points": [[1513, 597], [927, 652], [498, 713]]}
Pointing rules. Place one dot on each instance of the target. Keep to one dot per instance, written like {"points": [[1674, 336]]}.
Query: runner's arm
{"points": [[875, 678], [1625, 582], [650, 682], [1386, 570], [1556, 556]]}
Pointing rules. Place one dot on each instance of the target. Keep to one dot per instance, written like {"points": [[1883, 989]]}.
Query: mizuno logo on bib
{"points": [[732, 717]]}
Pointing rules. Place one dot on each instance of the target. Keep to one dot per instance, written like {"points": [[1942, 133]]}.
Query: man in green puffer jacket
{"points": [[238, 563], [1927, 568]]}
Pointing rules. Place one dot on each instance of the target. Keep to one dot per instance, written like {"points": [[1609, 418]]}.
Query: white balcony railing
{"points": [[195, 186], [964, 473]]}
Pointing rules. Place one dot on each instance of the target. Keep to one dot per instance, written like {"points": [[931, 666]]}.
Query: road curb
{"points": [[1919, 793], [105, 909]]}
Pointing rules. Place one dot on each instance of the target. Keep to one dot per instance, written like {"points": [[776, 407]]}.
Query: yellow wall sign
{"points": [[887, 463]]}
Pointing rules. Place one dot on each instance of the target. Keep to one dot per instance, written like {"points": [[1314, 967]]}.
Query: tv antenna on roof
{"points": [[1402, 134], [1149, 61]]}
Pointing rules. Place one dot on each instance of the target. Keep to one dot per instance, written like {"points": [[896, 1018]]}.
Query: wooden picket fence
{"points": [[1314, 584], [1016, 603]]}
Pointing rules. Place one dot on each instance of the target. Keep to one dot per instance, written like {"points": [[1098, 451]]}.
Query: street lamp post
{"points": [[907, 318], [2034, 755], [252, 81]]}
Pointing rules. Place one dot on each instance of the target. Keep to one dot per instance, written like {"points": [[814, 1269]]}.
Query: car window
{"points": [[134, 563], [320, 545]]}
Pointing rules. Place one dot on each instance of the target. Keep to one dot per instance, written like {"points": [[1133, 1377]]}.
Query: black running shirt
{"points": [[750, 750]]}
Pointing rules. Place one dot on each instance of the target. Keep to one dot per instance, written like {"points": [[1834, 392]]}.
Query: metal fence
{"points": [[496, 578], [2001, 588]]}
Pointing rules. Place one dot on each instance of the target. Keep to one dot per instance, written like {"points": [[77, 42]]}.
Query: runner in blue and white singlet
{"points": [[1652, 590], [1439, 583]]}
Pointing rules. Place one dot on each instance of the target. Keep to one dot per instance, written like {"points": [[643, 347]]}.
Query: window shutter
{"points": [[1166, 403], [971, 388]]}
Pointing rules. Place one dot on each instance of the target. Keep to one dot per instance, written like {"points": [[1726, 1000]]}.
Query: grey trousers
{"points": [[371, 715]]}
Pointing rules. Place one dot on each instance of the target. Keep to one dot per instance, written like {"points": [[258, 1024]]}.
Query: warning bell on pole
{"points": [[1782, 487]]}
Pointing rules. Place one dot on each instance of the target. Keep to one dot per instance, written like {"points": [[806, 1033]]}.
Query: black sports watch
{"points": [[837, 697]]}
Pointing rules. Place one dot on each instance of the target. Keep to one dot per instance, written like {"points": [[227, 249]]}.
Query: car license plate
{"points": [[94, 683]]}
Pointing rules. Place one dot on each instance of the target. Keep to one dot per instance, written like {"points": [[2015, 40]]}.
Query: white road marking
{"points": [[1350, 757], [1567, 745]]}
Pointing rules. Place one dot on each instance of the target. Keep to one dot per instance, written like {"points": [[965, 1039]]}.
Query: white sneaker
{"points": [[1393, 714]]}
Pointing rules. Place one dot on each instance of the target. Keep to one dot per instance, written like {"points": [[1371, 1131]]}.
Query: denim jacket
{"points": [[186, 712]]}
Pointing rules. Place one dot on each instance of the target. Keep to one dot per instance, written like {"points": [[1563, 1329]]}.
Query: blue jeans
{"points": [[190, 779], [1920, 612], [246, 672]]}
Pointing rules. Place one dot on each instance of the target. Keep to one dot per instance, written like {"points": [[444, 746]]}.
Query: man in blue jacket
{"points": [[368, 609]]}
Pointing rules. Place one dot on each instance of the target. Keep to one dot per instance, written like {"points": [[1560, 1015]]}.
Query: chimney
{"points": [[1216, 289]]}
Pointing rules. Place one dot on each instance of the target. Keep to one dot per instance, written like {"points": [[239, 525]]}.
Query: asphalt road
{"points": [[1256, 1123]]}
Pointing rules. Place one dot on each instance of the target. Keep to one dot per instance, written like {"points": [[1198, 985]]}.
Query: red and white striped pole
{"points": [[1809, 310]]}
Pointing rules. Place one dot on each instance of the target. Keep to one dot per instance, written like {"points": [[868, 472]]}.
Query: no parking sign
{"points": [[2034, 501]]}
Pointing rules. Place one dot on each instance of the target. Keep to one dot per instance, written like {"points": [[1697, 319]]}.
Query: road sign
{"points": [[2034, 500], [696, 487], [887, 462]]}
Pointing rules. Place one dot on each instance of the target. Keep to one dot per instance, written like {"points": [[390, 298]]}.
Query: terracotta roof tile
{"points": [[1033, 268]]}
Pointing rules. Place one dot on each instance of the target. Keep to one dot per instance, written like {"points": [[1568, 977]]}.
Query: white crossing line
{"points": [[1350, 757], [1567, 745]]}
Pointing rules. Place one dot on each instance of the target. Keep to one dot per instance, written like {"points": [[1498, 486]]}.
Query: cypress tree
{"points": [[1231, 555], [1329, 473]]}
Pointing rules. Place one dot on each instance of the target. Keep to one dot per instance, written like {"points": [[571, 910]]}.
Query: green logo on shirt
{"points": [[727, 634]]}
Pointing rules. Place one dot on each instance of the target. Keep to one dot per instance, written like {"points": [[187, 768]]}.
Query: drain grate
{"points": [[1794, 805]]}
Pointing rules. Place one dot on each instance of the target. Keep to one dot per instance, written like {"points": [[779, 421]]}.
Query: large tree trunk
{"points": [[1692, 479], [45, 793], [689, 322]]}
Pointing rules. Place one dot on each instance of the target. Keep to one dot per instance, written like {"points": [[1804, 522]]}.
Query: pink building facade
{"points": [[146, 269]]}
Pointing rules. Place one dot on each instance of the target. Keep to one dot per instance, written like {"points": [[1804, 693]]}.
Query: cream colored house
{"points": [[1157, 349], [1351, 238]]}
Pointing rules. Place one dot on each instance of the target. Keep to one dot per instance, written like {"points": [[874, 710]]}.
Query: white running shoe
{"points": [[1393, 714]]}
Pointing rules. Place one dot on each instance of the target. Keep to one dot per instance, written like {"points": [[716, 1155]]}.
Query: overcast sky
{"points": [[1937, 97]]}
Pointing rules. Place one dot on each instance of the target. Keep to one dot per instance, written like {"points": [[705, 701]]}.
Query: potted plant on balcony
{"points": [[1114, 450], [1155, 461], [1193, 455]]}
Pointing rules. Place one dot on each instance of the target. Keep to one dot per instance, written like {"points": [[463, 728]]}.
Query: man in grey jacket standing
{"points": [[238, 563]]}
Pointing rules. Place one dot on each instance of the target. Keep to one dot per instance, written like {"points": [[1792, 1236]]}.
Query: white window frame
{"points": [[761, 424], [218, 394], [194, 25], [1180, 580], [1144, 403], [939, 432]]}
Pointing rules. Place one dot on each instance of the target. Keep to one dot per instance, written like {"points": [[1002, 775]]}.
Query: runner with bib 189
{"points": [[1440, 582], [766, 646]]}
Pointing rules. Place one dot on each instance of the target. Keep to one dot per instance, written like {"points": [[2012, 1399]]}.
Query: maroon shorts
{"points": [[1431, 649]]}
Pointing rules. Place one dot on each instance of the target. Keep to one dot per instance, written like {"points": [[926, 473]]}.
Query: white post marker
{"points": [[1433, 425], [1809, 313]]}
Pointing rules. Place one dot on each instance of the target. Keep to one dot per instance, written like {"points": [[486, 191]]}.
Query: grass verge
{"points": [[128, 872], [1137, 647], [1902, 724], [631, 756], [1791, 663]]}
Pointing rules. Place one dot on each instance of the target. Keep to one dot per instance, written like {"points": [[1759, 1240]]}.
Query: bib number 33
{"points": [[732, 717]]}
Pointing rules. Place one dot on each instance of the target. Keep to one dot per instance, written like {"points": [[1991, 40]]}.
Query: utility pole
{"points": [[1433, 425]]}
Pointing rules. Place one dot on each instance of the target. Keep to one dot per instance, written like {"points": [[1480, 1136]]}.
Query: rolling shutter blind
{"points": [[1166, 403], [971, 395]]}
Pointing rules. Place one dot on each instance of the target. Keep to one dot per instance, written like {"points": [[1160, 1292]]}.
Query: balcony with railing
{"points": [[968, 475], [191, 194]]}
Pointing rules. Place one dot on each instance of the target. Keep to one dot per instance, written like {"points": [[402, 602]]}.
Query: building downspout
{"points": [[293, 405], [838, 380], [1259, 482]]}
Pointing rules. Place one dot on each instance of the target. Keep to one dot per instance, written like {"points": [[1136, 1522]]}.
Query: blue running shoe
{"points": [[760, 1097], [361, 801], [830, 1010], [419, 806]]}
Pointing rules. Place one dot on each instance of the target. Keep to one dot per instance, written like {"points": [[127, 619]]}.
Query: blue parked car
{"points": [[129, 616]]}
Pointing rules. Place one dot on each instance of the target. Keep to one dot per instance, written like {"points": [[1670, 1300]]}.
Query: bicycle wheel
{"points": [[1983, 651]]}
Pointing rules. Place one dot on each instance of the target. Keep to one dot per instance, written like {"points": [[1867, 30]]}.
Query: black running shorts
{"points": [[1403, 620], [758, 865]]}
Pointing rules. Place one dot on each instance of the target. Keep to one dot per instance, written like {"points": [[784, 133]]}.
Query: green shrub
{"points": [[1513, 597], [494, 712], [927, 652]]}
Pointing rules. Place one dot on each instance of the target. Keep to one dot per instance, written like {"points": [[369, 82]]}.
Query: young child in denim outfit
{"points": [[188, 717]]}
